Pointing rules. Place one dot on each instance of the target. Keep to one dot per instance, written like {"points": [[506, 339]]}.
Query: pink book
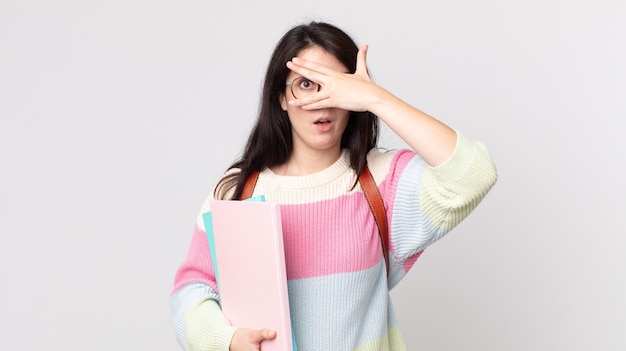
{"points": [[250, 261]]}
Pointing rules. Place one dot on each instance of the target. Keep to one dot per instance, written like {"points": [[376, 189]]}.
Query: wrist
{"points": [[207, 328]]}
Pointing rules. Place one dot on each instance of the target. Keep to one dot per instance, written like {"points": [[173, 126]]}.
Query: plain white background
{"points": [[116, 117]]}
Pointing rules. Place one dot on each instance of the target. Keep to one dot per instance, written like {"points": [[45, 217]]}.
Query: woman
{"points": [[316, 131]]}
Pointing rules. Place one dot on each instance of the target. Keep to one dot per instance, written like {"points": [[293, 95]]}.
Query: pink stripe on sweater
{"points": [[389, 186], [330, 237], [411, 261], [198, 266]]}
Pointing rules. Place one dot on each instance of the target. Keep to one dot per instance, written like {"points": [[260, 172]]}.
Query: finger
{"points": [[361, 66], [318, 100], [268, 334], [256, 336], [317, 105], [312, 70], [263, 334], [304, 72], [312, 66]]}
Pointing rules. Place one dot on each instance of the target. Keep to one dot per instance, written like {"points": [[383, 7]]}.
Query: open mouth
{"points": [[322, 121]]}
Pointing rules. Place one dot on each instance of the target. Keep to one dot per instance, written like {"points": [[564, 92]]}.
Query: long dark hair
{"points": [[270, 142]]}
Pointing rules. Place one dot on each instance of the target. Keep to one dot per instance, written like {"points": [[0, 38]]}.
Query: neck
{"points": [[305, 163]]}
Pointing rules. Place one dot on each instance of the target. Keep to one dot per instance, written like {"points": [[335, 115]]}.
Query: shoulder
{"points": [[382, 162], [223, 188]]}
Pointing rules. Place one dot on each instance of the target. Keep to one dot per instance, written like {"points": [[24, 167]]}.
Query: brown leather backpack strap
{"points": [[370, 189], [248, 188]]}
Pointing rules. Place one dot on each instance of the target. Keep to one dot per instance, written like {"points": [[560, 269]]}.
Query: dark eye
{"points": [[306, 84]]}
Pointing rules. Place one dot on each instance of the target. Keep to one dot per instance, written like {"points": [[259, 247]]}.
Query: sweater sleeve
{"points": [[449, 192], [199, 322], [426, 202], [207, 329]]}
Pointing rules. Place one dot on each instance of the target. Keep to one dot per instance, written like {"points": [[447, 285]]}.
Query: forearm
{"points": [[207, 329], [428, 137], [199, 321]]}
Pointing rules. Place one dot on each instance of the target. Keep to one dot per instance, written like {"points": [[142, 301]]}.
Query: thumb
{"points": [[361, 66], [265, 334]]}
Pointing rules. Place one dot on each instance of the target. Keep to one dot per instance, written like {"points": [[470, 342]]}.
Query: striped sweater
{"points": [[338, 288]]}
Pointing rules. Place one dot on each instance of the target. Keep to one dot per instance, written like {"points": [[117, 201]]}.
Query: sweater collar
{"points": [[338, 168]]}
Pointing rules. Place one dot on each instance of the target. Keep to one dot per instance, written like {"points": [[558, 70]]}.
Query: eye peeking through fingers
{"points": [[306, 84], [302, 87]]}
